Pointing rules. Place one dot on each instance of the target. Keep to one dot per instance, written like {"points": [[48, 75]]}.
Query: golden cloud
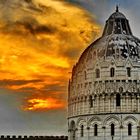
{"points": [[39, 43], [44, 104]]}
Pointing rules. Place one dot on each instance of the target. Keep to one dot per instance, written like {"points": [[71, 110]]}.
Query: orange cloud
{"points": [[39, 43], [44, 104]]}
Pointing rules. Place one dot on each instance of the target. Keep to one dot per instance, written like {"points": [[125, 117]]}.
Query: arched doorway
{"points": [[72, 130]]}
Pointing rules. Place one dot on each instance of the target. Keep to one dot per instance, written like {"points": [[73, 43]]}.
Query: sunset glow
{"points": [[39, 44], [44, 104]]}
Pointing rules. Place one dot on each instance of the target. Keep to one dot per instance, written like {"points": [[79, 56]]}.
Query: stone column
{"points": [[121, 98], [93, 104], [138, 132], [121, 127], [138, 103], [132, 105], [82, 110], [127, 101], [72, 108], [115, 102], [69, 109], [123, 102], [84, 104], [103, 107], [109, 100], [88, 128], [75, 111], [80, 106], [97, 99], [72, 135], [104, 132], [99, 104], [125, 105], [76, 134]]}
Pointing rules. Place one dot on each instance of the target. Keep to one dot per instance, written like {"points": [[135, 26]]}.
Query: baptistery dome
{"points": [[104, 89]]}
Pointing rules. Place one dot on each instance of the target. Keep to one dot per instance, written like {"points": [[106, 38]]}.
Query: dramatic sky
{"points": [[40, 40]]}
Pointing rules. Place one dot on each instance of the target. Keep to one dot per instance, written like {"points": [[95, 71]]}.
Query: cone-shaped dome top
{"points": [[117, 24], [117, 14]]}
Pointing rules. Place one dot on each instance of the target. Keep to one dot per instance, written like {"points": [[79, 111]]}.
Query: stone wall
{"points": [[88, 94]]}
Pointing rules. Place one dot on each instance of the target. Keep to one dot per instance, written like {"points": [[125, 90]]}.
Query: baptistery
{"points": [[104, 89]]}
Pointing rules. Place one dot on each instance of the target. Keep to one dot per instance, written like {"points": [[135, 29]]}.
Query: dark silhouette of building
{"points": [[8, 137]]}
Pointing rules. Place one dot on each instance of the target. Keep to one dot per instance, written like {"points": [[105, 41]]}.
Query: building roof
{"points": [[117, 41], [117, 14]]}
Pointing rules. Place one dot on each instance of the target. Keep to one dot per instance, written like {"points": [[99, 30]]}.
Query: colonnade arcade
{"points": [[105, 103], [111, 126]]}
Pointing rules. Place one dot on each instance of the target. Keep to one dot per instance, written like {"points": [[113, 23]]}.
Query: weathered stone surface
{"points": [[104, 90]]}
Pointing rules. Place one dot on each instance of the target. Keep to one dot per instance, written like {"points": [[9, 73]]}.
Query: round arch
{"points": [[94, 119], [81, 121], [130, 119], [110, 119]]}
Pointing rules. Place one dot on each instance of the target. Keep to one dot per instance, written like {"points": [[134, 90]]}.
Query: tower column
{"points": [[109, 102], [138, 132], [103, 104], [138, 100]]}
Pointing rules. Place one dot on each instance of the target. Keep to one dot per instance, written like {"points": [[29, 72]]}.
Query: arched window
{"points": [[72, 128], [95, 130], [117, 27], [112, 129], [82, 130], [90, 101], [129, 129], [97, 73], [128, 72], [112, 72], [118, 100]]}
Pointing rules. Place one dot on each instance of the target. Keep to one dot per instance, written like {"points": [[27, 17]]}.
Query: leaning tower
{"points": [[104, 89]]}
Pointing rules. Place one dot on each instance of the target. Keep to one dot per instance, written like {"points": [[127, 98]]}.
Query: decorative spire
{"points": [[117, 8]]}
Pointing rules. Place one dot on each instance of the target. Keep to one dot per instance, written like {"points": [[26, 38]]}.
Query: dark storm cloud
{"points": [[100, 8], [29, 90], [22, 24], [103, 8], [6, 82], [27, 27], [37, 43], [70, 52], [54, 87]]}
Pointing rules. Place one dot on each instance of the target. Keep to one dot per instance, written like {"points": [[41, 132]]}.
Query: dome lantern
{"points": [[117, 24]]}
